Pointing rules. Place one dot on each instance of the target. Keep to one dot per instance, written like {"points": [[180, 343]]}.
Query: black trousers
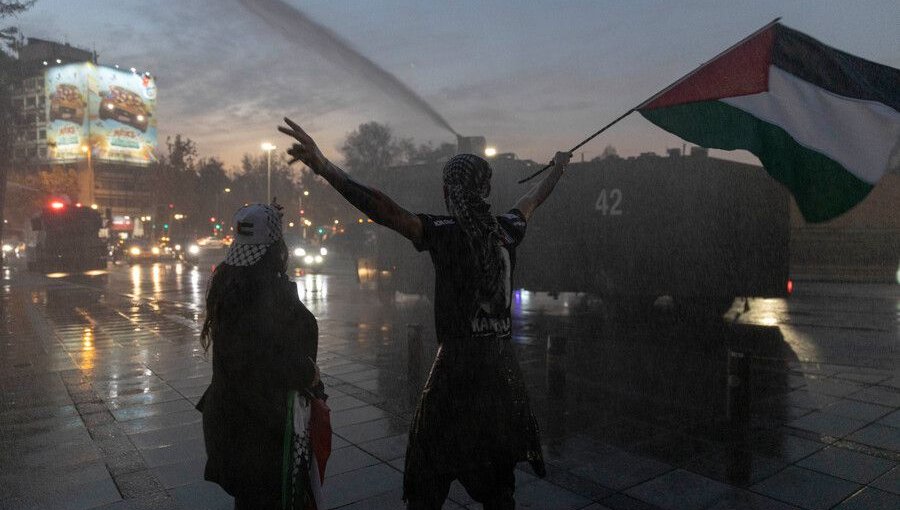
{"points": [[493, 488]]}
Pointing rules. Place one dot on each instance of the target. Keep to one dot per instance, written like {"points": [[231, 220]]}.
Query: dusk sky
{"points": [[532, 77]]}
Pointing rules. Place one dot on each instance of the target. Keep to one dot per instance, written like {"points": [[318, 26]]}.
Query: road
{"points": [[781, 403]]}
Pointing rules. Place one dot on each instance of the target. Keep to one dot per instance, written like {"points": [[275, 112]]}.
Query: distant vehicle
{"points": [[125, 106], [141, 250], [68, 239], [67, 103], [13, 244], [306, 255], [15, 249], [698, 229], [212, 242], [186, 251]]}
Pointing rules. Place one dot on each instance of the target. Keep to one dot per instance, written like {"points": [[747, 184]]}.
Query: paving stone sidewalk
{"points": [[97, 395]]}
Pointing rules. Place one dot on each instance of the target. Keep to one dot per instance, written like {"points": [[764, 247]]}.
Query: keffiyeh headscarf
{"points": [[256, 227], [467, 179]]}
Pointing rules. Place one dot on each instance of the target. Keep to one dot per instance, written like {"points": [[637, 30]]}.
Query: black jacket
{"points": [[258, 356]]}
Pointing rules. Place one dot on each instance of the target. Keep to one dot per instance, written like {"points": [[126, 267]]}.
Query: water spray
{"points": [[303, 31]]}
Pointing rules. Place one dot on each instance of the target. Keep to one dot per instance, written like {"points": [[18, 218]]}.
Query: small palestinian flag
{"points": [[823, 122]]}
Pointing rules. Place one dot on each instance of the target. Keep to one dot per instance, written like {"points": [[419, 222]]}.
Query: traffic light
{"points": [[218, 227], [165, 226]]}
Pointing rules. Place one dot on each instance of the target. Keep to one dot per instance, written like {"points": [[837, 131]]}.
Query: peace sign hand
{"points": [[306, 150]]}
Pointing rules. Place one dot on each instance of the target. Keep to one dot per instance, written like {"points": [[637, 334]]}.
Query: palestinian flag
{"points": [[823, 122]]}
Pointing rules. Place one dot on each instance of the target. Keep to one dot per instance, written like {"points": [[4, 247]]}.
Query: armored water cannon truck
{"points": [[698, 229], [67, 239]]}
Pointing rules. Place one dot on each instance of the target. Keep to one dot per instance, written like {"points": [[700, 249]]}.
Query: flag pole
{"points": [[658, 94]]}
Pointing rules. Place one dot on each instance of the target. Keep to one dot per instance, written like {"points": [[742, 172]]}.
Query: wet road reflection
{"points": [[621, 399]]}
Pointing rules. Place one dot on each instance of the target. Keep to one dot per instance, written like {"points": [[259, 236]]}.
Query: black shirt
{"points": [[459, 311]]}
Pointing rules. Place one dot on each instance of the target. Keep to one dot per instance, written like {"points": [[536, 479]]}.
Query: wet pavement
{"points": [[782, 404]]}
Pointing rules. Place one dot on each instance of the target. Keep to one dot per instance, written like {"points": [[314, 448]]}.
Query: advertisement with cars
{"points": [[122, 115], [107, 109], [67, 111]]}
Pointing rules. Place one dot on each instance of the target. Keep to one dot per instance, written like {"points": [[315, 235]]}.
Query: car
{"points": [[13, 249], [67, 103], [212, 242], [141, 250], [306, 255], [187, 251], [124, 106]]}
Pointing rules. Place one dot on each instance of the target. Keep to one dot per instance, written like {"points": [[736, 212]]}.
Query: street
{"points": [[783, 403]]}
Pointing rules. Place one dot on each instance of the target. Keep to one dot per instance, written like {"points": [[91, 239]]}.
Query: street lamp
{"points": [[87, 150], [268, 147], [218, 195]]}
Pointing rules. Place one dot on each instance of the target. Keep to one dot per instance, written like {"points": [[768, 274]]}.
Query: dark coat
{"points": [[258, 356]]}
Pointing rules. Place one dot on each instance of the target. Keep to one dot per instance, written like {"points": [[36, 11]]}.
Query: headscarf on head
{"points": [[467, 178], [256, 228]]}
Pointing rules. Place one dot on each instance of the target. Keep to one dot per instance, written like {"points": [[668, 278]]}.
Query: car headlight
{"points": [[299, 252], [318, 259], [193, 249], [177, 247], [109, 106], [135, 250], [308, 259], [323, 251], [155, 250], [7, 248], [140, 118]]}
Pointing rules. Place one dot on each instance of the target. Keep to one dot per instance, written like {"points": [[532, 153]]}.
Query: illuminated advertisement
{"points": [[122, 115], [108, 110], [67, 111]]}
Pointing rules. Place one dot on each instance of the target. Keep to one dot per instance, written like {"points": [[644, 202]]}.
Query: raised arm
{"points": [[536, 196], [372, 202]]}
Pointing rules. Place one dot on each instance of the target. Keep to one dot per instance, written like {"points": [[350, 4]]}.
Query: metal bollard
{"points": [[555, 426], [737, 405], [556, 365], [414, 352]]}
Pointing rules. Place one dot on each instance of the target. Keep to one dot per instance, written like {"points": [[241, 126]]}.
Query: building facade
{"points": [[115, 183]]}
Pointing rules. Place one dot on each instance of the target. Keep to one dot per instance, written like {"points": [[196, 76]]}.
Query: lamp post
{"points": [[268, 147], [87, 150], [218, 195]]}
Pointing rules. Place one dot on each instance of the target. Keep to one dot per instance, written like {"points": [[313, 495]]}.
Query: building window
{"points": [[42, 134], [30, 101], [43, 152], [32, 152], [32, 134]]}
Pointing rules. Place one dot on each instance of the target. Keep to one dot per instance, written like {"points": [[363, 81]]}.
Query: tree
{"points": [[609, 152], [8, 76], [427, 153], [212, 181], [10, 35], [369, 149], [176, 180]]}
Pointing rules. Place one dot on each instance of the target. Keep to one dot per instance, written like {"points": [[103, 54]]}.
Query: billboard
{"points": [[117, 119], [67, 111], [122, 115]]}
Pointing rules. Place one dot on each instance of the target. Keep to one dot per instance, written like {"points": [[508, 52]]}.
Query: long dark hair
{"points": [[234, 291]]}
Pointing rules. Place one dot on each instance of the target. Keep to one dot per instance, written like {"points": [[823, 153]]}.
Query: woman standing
{"points": [[473, 422], [264, 344]]}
